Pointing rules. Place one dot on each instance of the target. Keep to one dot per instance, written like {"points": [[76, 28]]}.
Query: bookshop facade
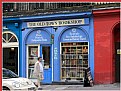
{"points": [[64, 41], [73, 54]]}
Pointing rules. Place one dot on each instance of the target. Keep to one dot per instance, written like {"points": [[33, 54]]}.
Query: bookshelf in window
{"points": [[74, 59]]}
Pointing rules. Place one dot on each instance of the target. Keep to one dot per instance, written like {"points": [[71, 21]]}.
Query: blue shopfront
{"points": [[37, 42], [64, 41], [11, 44]]}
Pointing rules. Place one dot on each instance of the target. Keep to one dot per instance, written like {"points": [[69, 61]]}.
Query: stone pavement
{"points": [[112, 87]]}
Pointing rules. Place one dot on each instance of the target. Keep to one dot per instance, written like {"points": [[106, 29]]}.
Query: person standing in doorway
{"points": [[38, 71]]}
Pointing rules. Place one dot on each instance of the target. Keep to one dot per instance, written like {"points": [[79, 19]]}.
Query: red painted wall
{"points": [[104, 22]]}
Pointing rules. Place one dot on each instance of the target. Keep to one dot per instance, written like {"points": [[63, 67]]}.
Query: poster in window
{"points": [[34, 52]]}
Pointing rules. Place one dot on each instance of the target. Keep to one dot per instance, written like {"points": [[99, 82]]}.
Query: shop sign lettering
{"points": [[38, 37], [55, 53], [56, 23], [73, 35]]}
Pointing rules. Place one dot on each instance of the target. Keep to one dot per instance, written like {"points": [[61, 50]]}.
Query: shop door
{"points": [[117, 61], [47, 57], [10, 59], [34, 51]]}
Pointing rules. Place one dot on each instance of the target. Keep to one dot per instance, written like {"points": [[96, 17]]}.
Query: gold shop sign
{"points": [[56, 23]]}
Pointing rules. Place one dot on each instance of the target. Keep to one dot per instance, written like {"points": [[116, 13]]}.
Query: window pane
{"points": [[13, 39], [32, 58], [46, 55], [3, 41], [74, 59], [8, 35], [10, 59], [4, 36], [33, 51]]}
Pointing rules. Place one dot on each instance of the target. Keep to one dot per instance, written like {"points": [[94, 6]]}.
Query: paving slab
{"points": [[111, 87]]}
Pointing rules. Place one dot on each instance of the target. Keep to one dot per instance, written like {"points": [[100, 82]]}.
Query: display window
{"points": [[74, 59], [33, 53], [10, 45]]}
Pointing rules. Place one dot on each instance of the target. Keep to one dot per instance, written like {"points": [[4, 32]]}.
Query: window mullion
{"points": [[10, 38], [4, 40], [6, 37]]}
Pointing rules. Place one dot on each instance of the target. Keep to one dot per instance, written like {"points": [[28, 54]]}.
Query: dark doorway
{"points": [[117, 52], [10, 59], [117, 61], [46, 56]]}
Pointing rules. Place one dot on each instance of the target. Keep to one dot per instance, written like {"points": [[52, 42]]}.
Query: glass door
{"points": [[46, 56], [33, 52], [44, 51]]}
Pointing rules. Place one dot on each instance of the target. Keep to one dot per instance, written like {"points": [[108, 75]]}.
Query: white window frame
{"points": [[28, 54], [11, 44], [61, 53]]}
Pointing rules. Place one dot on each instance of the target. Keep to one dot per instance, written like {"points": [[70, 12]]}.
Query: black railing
{"points": [[12, 9], [7, 7]]}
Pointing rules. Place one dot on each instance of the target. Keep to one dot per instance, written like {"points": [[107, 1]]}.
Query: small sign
{"points": [[34, 52], [88, 78], [118, 51], [55, 53]]}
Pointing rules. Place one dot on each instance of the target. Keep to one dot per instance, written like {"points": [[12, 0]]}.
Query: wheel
{"points": [[5, 88]]}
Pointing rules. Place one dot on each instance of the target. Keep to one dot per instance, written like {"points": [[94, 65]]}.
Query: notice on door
{"points": [[118, 51]]}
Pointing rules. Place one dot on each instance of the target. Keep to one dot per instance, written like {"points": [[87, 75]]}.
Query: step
{"points": [[68, 83]]}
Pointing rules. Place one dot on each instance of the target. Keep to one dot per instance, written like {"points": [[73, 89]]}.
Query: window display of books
{"points": [[74, 58]]}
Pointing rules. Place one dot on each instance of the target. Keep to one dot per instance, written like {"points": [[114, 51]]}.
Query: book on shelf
{"points": [[84, 50], [80, 56]]}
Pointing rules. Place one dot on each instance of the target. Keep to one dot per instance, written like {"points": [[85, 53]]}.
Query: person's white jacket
{"points": [[36, 69]]}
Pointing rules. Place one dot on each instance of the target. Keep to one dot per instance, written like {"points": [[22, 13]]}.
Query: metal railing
{"points": [[21, 9]]}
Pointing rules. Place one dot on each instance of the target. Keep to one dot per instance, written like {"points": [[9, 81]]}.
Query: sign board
{"points": [[57, 23], [74, 34], [89, 76], [38, 36]]}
